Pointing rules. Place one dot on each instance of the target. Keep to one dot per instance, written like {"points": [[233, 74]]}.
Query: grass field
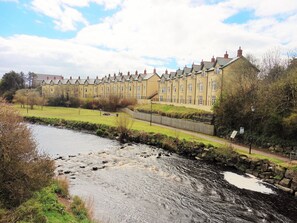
{"points": [[169, 109], [94, 116]]}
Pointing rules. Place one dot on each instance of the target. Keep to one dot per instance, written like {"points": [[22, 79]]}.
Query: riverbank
{"points": [[51, 204], [283, 177]]}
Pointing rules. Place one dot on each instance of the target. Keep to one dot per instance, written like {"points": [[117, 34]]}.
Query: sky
{"points": [[100, 37]]}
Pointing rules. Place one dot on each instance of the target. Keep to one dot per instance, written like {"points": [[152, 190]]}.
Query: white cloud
{"points": [[65, 13], [66, 18], [178, 29], [147, 33], [42, 55]]}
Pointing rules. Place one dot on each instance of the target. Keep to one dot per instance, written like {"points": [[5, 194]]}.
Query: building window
{"points": [[190, 99], [161, 98], [200, 100], [200, 87], [86, 90], [163, 90], [214, 85], [129, 88], [174, 89], [190, 87], [217, 70], [213, 100]]}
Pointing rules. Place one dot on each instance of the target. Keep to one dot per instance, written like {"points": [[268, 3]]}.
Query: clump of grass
{"points": [[62, 187], [78, 208]]}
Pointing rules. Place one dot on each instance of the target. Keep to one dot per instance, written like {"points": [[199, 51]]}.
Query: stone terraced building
{"points": [[201, 84]]}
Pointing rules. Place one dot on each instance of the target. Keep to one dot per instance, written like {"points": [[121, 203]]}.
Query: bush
{"points": [[23, 169]]}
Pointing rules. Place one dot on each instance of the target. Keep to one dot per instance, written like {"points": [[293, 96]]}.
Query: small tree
{"points": [[23, 169], [34, 98], [20, 97], [124, 125], [10, 83]]}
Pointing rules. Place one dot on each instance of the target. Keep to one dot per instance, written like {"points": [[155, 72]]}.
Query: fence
{"points": [[173, 122]]}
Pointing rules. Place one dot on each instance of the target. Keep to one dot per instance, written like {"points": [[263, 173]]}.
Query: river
{"points": [[139, 183]]}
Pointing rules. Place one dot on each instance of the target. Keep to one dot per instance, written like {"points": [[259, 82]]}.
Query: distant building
{"points": [[38, 78], [199, 85], [139, 86]]}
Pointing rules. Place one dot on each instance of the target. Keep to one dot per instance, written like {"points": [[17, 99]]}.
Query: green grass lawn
{"points": [[169, 109], [93, 116]]}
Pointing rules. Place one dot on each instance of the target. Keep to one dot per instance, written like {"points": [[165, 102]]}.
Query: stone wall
{"points": [[173, 122]]}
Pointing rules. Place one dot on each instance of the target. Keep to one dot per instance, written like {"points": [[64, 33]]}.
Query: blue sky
{"points": [[97, 37]]}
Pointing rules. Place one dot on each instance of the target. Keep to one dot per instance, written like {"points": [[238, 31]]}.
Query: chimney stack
{"points": [[54, 78], [239, 52], [96, 77], [47, 78], [87, 77], [166, 71], [144, 71], [62, 78], [136, 72], [128, 73], [226, 55], [155, 71], [78, 77], [212, 59], [70, 78], [201, 62]]}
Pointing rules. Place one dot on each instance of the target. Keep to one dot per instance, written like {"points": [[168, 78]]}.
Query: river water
{"points": [[139, 183]]}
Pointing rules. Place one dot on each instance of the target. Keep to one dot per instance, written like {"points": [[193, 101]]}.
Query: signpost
{"points": [[234, 133]]}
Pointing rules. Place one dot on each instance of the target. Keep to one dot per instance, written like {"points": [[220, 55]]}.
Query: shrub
{"points": [[23, 169]]}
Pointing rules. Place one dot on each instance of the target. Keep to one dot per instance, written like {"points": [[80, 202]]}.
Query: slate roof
{"points": [[207, 64], [222, 61], [179, 72], [186, 71], [196, 68]]}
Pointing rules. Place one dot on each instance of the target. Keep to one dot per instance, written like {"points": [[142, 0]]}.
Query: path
{"points": [[227, 142]]}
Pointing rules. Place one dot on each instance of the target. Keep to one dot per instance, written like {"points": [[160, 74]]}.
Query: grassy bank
{"points": [[174, 111], [94, 117], [51, 204]]}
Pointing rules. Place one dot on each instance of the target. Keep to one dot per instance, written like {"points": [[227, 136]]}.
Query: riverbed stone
{"points": [[67, 172], [94, 168], [270, 181], [285, 182], [285, 189], [266, 175]]}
